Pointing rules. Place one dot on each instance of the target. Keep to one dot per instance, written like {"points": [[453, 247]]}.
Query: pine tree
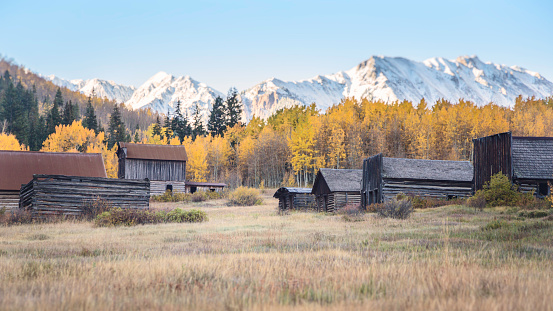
{"points": [[54, 118], [117, 131], [233, 108], [168, 131], [198, 126], [68, 113], [90, 121], [217, 122], [156, 130]]}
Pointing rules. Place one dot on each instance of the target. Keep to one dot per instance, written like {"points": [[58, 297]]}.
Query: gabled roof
{"points": [[153, 152], [18, 167], [291, 190], [532, 157], [401, 168], [342, 180]]}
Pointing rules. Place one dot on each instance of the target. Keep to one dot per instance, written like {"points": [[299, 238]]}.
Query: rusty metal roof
{"points": [[18, 167], [153, 152]]}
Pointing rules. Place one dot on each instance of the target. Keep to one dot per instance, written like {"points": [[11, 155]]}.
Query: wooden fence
{"points": [[67, 195]]}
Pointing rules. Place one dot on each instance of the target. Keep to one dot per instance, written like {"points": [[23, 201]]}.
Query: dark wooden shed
{"points": [[290, 198], [384, 178], [527, 161], [18, 167], [163, 165], [193, 186], [336, 188]]}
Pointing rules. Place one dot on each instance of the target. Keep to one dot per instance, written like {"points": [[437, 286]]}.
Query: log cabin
{"points": [[163, 165], [18, 167], [291, 198], [384, 178], [526, 161], [336, 188]]}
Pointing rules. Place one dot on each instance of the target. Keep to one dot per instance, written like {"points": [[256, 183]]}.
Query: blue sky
{"points": [[240, 43]]}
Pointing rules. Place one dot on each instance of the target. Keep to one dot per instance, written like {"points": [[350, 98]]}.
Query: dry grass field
{"points": [[243, 258]]}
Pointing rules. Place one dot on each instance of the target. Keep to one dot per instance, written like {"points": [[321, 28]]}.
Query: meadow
{"points": [[252, 258]]}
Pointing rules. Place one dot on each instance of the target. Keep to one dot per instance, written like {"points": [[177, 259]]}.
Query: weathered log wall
{"points": [[428, 189], [67, 195], [9, 200], [159, 187], [332, 202], [372, 180], [298, 201]]}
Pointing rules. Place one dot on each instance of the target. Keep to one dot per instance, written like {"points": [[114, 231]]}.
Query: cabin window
{"points": [[543, 189], [193, 189], [169, 188]]}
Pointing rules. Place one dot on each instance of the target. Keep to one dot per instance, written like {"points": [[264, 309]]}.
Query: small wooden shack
{"points": [[163, 165], [290, 198], [336, 188], [384, 178], [18, 167], [526, 161], [48, 195], [193, 186]]}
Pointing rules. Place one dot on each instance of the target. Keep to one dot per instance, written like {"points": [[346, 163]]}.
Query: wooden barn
{"points": [[384, 178], [47, 195], [336, 188], [527, 161], [18, 167], [163, 165], [290, 198]]}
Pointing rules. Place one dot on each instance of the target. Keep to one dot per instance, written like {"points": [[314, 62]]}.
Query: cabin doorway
{"points": [[169, 188], [193, 189], [543, 189]]}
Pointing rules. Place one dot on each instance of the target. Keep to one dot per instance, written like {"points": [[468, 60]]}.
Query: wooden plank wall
{"points": [[430, 189], [372, 180], [159, 187], [297, 201], [491, 155], [337, 200], [66, 195], [154, 169], [9, 201]]}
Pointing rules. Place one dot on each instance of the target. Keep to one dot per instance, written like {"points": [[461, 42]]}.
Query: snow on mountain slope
{"points": [[161, 92], [393, 78], [101, 88]]}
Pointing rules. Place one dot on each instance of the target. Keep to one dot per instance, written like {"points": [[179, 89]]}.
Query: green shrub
{"points": [[243, 196], [500, 192], [133, 217], [179, 215], [533, 214], [93, 208], [169, 196]]}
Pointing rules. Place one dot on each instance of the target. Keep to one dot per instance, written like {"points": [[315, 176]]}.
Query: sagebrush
{"points": [[243, 196]]}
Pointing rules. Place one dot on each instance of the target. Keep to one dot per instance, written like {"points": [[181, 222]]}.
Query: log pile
{"points": [[67, 195]]}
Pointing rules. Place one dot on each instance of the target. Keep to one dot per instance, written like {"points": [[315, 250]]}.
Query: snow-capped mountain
{"points": [[393, 78], [162, 91], [101, 88], [379, 78]]}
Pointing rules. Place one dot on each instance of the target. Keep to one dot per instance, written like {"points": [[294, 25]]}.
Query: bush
{"points": [[94, 208], [169, 196], [533, 214], [424, 202], [243, 196], [133, 217], [373, 208], [16, 217], [478, 201], [500, 192], [398, 209], [179, 215], [198, 196]]}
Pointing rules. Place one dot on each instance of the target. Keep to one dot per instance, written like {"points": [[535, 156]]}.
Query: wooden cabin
{"points": [[18, 167], [193, 186], [336, 188], [290, 198], [47, 195], [384, 178], [163, 165], [526, 161]]}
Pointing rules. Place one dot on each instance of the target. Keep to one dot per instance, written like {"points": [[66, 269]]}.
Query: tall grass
{"points": [[252, 258]]}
